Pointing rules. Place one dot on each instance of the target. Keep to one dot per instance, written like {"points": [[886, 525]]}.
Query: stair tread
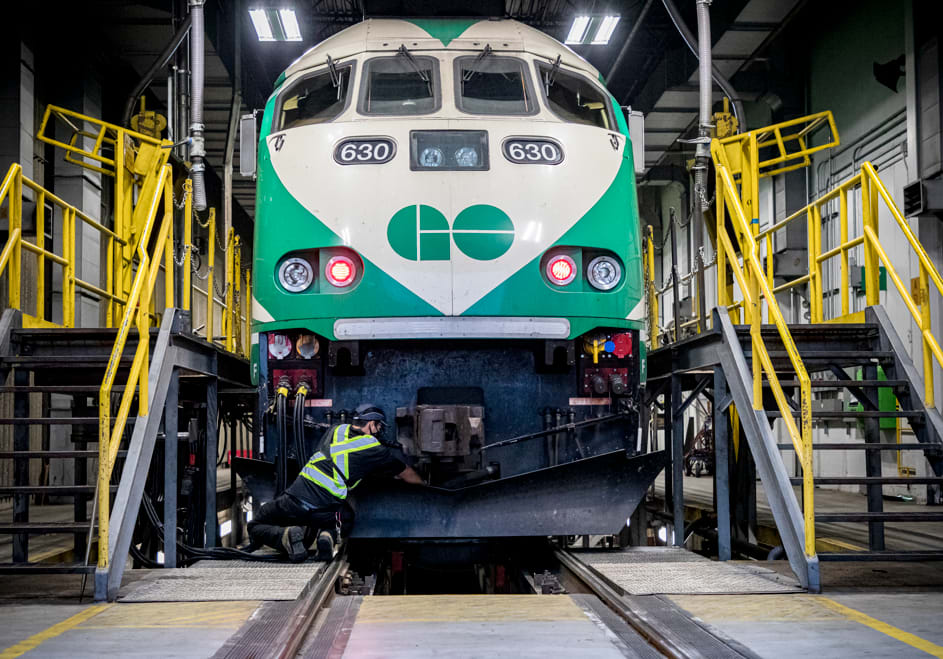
{"points": [[46, 568], [872, 480], [12, 455], [837, 384], [928, 516], [849, 414], [43, 527], [863, 446], [864, 355], [921, 555], [54, 421], [52, 490], [57, 389]]}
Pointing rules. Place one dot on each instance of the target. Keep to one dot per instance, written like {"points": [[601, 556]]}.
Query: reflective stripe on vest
{"points": [[341, 447]]}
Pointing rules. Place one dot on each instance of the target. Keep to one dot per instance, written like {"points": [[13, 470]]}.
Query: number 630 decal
{"points": [[365, 151], [532, 151]]}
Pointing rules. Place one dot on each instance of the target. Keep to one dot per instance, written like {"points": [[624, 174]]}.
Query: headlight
{"points": [[467, 156], [604, 273], [431, 157], [295, 274]]}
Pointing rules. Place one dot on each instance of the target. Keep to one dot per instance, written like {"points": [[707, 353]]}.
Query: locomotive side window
{"points": [[487, 84], [400, 85], [315, 99], [573, 98]]}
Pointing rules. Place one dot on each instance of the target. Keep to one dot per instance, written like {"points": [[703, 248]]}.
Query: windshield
{"points": [[574, 98], [400, 85], [487, 84], [314, 99]]}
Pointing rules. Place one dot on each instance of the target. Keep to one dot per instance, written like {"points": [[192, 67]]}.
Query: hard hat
{"points": [[369, 412]]}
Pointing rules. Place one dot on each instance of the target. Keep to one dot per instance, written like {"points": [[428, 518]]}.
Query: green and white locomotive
{"points": [[447, 226]]}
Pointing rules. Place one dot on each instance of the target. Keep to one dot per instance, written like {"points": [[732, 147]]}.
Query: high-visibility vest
{"points": [[342, 445]]}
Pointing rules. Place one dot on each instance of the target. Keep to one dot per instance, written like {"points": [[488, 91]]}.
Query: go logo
{"points": [[422, 233]]}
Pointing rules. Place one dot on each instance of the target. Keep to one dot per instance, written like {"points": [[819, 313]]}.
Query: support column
{"points": [[872, 461], [677, 461], [20, 466], [721, 471], [212, 525], [171, 444]]}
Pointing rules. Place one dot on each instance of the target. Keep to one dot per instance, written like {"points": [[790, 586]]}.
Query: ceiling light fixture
{"points": [[606, 28], [594, 30], [577, 30], [275, 24]]}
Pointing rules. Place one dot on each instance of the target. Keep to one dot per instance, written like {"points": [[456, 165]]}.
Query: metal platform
{"points": [[671, 570]]}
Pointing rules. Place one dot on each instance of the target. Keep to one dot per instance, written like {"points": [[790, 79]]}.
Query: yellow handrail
{"points": [[871, 189], [652, 301], [136, 313], [143, 188], [756, 288]]}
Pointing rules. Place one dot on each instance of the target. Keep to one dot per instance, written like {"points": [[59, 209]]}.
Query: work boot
{"points": [[325, 546], [293, 542]]}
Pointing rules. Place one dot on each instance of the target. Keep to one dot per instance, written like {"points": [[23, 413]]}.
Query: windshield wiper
{"points": [[550, 76], [472, 70], [412, 61]]}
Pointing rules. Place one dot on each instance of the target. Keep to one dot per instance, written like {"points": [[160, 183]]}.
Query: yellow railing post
{"points": [[227, 311], [41, 256], [68, 275], [924, 292], [815, 266], [16, 226], [210, 290], [843, 238], [652, 296], [248, 311], [187, 240], [869, 217]]}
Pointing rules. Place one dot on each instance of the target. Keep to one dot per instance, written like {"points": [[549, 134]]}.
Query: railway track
{"points": [[320, 621]]}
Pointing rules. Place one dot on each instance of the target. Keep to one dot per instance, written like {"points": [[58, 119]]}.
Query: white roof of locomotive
{"points": [[386, 34]]}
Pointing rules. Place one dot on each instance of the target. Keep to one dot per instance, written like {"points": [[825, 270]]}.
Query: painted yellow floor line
{"points": [[35, 640], [884, 628]]}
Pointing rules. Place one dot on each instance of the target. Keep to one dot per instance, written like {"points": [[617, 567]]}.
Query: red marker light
{"points": [[340, 271], [561, 270]]}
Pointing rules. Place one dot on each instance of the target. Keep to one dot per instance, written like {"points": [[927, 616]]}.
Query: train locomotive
{"points": [[447, 226]]}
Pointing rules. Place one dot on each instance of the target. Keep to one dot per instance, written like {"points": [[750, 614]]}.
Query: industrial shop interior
{"points": [[508, 328]]}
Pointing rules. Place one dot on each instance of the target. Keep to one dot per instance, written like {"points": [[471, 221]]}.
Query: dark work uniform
{"points": [[316, 497]]}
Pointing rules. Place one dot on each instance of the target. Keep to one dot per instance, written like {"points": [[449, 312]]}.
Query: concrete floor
{"points": [[892, 611]]}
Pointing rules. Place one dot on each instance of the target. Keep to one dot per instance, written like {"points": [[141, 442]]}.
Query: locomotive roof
{"points": [[385, 34]]}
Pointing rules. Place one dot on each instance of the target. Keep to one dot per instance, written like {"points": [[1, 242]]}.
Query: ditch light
{"points": [[275, 24], [593, 30]]}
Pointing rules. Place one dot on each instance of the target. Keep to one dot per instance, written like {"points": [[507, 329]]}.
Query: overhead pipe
{"points": [[718, 77], [197, 144], [158, 64]]}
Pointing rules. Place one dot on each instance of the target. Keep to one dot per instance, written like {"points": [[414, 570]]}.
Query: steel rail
{"points": [[299, 622], [615, 601]]}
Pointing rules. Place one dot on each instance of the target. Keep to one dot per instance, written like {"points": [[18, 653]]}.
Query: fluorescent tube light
{"points": [[605, 30], [290, 24], [577, 30], [261, 24]]}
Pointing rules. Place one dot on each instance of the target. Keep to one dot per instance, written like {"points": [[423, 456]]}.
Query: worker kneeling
{"points": [[347, 454]]}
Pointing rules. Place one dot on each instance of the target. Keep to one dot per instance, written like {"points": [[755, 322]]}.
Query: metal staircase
{"points": [[124, 380], [762, 372]]}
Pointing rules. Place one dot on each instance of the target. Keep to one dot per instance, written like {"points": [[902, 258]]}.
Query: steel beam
{"points": [[721, 467], [171, 444]]}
